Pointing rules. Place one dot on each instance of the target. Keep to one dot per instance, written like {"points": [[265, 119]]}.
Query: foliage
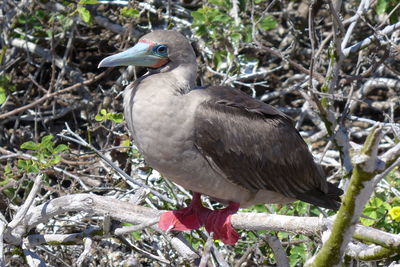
{"points": [[213, 23], [375, 211], [386, 7], [130, 12], [5, 86], [46, 154], [382, 209], [114, 117], [83, 12]]}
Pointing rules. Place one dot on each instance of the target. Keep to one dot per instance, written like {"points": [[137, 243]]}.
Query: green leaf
{"points": [[258, 208], [84, 14], [381, 6], [4, 182], [198, 17], [33, 168], [126, 142], [268, 23], [373, 215], [117, 117], [297, 255], [130, 12], [41, 157], [22, 164], [30, 145], [367, 222], [217, 2], [236, 37], [3, 95], [55, 160], [46, 141], [103, 112], [99, 118], [136, 235], [60, 148], [88, 2], [222, 18]]}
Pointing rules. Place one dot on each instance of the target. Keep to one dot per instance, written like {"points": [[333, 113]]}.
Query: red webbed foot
{"points": [[190, 218], [219, 222], [195, 215]]}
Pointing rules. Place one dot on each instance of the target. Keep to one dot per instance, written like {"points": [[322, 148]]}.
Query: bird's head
{"points": [[154, 50]]}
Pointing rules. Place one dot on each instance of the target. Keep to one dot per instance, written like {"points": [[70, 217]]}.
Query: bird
{"points": [[213, 140]]}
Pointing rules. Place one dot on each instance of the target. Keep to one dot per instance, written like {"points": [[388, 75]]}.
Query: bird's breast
{"points": [[162, 129]]}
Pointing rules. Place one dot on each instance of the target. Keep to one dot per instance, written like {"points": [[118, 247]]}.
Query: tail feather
{"points": [[329, 200]]}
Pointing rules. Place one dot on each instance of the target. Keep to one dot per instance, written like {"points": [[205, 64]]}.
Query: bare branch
{"points": [[367, 41], [27, 204], [280, 254]]}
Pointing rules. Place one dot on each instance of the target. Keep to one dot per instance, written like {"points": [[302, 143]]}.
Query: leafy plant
{"points": [[386, 6], [5, 85], [376, 210], [114, 117], [268, 23], [45, 152], [297, 255], [83, 12], [213, 23], [130, 12]]}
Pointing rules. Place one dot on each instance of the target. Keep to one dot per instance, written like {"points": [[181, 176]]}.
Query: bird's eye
{"points": [[161, 50]]}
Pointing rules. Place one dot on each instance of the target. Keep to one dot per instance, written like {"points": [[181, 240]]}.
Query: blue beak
{"points": [[139, 55]]}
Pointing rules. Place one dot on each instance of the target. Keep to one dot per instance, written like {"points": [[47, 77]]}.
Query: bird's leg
{"points": [[192, 217], [195, 215], [219, 222]]}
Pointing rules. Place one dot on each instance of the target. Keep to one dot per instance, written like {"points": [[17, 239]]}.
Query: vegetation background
{"points": [[334, 67]]}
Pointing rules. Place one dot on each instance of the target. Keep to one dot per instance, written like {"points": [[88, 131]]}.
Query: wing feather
{"points": [[255, 145]]}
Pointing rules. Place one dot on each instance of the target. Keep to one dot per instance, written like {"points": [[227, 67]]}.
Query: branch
{"points": [[79, 140], [127, 212], [370, 252], [47, 96], [32, 259], [367, 41], [27, 204], [2, 228], [280, 254], [357, 194]]}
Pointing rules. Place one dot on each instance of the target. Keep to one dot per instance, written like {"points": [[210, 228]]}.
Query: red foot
{"points": [[190, 218], [219, 222], [195, 215]]}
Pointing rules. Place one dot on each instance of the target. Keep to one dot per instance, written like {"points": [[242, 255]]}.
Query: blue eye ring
{"points": [[161, 50]]}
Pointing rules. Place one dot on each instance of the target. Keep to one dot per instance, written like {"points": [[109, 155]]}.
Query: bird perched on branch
{"points": [[215, 141]]}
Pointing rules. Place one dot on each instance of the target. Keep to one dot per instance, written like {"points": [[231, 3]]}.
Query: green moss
{"points": [[368, 240], [370, 141], [99, 232], [324, 88], [383, 253], [17, 251], [330, 255]]}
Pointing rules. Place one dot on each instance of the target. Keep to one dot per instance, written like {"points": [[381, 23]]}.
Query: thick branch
{"points": [[357, 194], [138, 215]]}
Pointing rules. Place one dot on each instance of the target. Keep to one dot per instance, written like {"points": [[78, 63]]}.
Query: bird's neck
{"points": [[174, 79]]}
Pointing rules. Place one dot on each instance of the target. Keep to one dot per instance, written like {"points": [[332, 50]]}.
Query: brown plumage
{"points": [[216, 140], [256, 146]]}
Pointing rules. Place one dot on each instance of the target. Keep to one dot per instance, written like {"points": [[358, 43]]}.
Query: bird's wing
{"points": [[255, 145]]}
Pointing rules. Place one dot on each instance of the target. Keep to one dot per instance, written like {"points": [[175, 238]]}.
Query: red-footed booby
{"points": [[215, 141]]}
